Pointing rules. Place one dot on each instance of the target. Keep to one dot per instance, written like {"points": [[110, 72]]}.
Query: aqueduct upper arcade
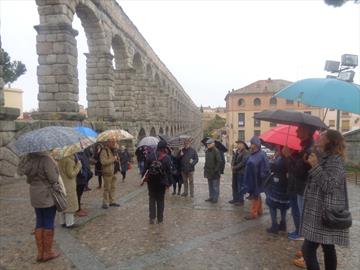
{"points": [[137, 93]]}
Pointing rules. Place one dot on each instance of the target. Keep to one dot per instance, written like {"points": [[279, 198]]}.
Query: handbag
{"points": [[338, 218], [58, 194]]}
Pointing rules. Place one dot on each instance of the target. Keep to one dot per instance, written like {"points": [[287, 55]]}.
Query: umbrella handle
{"points": [[287, 137]]}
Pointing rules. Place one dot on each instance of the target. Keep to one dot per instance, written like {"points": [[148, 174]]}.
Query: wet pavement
{"points": [[195, 234]]}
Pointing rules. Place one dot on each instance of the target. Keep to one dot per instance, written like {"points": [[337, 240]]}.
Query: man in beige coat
{"points": [[107, 159]]}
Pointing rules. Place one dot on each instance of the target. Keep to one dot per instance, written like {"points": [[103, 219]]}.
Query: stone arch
{"points": [[149, 71], [141, 134], [137, 62], [241, 102], [171, 131], [153, 132], [120, 53], [161, 131]]}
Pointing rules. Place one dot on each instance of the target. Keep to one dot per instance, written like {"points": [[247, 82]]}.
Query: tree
{"points": [[338, 3], [214, 124], [11, 70]]}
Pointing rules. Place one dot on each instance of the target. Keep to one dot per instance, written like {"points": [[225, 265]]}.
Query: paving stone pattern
{"points": [[194, 235]]}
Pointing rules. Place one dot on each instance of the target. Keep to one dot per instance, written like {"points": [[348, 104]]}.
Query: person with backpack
{"points": [[108, 159], [176, 171], [188, 158], [158, 177]]}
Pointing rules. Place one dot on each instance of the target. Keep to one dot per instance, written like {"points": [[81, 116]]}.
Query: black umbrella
{"points": [[293, 118], [218, 144], [164, 137]]}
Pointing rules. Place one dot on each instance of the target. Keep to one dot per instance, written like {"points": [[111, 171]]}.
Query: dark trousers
{"points": [[45, 217], [273, 214], [179, 186], [157, 203], [79, 191], [295, 212], [100, 180], [234, 186], [309, 252], [123, 173]]}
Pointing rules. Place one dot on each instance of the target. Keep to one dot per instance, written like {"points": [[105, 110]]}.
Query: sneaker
{"points": [[209, 200], [214, 201], [299, 262], [272, 230], [105, 206], [232, 201], [295, 237], [114, 204]]}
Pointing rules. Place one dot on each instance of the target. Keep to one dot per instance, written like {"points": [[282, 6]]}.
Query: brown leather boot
{"points": [[49, 253], [39, 238]]}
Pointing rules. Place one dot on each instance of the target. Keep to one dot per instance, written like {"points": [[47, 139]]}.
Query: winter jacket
{"points": [[69, 167], [239, 161], [189, 158], [256, 170], [41, 172], [298, 169], [212, 164], [157, 182], [124, 160], [85, 173], [325, 189], [107, 160]]}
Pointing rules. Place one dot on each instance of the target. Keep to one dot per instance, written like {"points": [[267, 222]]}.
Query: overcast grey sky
{"points": [[211, 47]]}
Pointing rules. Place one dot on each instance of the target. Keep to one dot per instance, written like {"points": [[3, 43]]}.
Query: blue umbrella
{"points": [[48, 138], [86, 131], [325, 93]]}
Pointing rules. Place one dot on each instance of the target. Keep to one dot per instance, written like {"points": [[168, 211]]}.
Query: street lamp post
{"points": [[344, 71]]}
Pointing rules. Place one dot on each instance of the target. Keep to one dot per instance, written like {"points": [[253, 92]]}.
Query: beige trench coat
{"points": [[68, 170]]}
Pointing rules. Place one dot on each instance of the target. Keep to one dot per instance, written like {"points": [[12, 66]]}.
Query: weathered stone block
{"points": [[67, 106], [49, 88], [63, 78], [44, 48], [65, 87], [7, 126], [44, 70], [45, 96], [7, 169], [6, 137], [9, 156], [47, 106], [46, 80], [66, 96]]}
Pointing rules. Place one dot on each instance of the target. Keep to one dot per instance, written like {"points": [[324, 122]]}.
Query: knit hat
{"points": [[255, 140]]}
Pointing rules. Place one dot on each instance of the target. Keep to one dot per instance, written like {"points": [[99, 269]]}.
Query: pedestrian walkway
{"points": [[195, 234]]}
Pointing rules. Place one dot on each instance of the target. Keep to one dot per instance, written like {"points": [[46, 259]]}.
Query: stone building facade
{"points": [[244, 103], [139, 93]]}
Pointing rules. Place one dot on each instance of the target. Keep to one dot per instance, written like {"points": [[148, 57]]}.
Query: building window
{"points": [[345, 114], [272, 124], [331, 123], [289, 102], [331, 110], [345, 125], [308, 112], [241, 102], [257, 122], [241, 117], [257, 133], [241, 135], [257, 102], [273, 101]]}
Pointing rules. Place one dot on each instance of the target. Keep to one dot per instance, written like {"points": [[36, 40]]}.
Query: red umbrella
{"points": [[284, 135]]}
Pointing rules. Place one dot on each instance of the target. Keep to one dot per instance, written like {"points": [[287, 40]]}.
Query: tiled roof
{"points": [[268, 86]]}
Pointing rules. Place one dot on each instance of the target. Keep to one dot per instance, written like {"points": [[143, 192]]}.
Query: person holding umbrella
{"points": [[238, 168], [188, 158], [256, 171]]}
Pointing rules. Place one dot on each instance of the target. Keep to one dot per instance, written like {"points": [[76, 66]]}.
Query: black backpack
{"points": [[156, 168]]}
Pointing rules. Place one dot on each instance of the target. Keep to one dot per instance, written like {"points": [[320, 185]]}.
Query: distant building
{"points": [[352, 139], [244, 103], [210, 113], [348, 121], [13, 98]]}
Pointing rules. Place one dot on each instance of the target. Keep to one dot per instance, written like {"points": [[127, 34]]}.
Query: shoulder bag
{"points": [[58, 194]]}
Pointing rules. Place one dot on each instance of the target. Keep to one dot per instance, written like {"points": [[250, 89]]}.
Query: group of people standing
{"points": [[308, 181]]}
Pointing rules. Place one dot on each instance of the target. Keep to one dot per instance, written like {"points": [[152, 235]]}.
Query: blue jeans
{"points": [[300, 202], [45, 217], [240, 187], [214, 188], [295, 212]]}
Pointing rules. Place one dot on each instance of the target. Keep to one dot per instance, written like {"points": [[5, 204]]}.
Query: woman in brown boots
{"points": [[41, 172]]}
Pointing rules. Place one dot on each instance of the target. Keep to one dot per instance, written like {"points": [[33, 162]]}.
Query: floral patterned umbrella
{"points": [[46, 139], [60, 153], [117, 134]]}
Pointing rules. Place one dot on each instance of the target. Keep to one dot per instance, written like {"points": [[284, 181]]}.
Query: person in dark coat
{"points": [[325, 189], [276, 193], [158, 173], [176, 172], [98, 148], [256, 170], [189, 159], [238, 168], [82, 180], [212, 170], [125, 158]]}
